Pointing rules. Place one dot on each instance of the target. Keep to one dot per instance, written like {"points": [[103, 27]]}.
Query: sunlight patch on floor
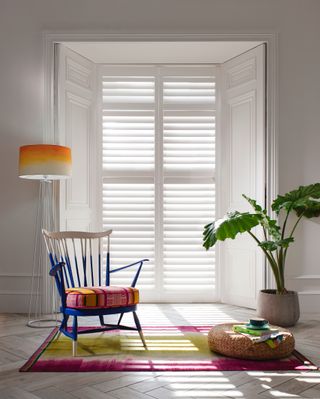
{"points": [[195, 393], [197, 315], [279, 394]]}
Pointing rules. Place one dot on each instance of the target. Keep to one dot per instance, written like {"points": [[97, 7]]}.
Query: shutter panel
{"points": [[189, 187], [128, 119], [75, 125], [243, 169]]}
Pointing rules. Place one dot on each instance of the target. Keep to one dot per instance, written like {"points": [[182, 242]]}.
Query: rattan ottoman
{"points": [[223, 340]]}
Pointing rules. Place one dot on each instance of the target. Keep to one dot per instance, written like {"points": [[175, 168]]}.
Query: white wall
{"points": [[21, 100]]}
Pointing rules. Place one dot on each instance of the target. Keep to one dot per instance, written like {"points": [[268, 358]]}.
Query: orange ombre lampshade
{"points": [[44, 162]]}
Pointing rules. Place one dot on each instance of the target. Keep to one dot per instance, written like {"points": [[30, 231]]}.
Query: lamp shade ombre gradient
{"points": [[44, 162]]}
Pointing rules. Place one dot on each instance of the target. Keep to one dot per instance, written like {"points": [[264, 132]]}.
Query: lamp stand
{"points": [[43, 304]]}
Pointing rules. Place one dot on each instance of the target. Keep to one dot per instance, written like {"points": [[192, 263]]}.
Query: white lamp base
{"points": [[43, 323]]}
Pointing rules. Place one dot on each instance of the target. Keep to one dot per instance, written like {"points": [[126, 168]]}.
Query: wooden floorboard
{"points": [[18, 342]]}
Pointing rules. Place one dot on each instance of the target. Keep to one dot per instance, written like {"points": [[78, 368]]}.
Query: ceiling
{"points": [[160, 52]]}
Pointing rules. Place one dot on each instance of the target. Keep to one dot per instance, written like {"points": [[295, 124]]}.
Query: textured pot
{"points": [[281, 310]]}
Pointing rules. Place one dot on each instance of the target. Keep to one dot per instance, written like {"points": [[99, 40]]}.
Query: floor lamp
{"points": [[46, 163]]}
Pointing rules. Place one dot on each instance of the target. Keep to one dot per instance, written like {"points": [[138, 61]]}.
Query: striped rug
{"points": [[170, 348]]}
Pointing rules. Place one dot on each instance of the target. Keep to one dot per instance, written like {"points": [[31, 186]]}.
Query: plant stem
{"points": [[281, 255], [281, 266], [265, 233], [291, 235], [296, 224], [273, 264], [285, 223]]}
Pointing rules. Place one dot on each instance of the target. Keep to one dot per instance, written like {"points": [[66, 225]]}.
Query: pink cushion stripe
{"points": [[101, 297]]}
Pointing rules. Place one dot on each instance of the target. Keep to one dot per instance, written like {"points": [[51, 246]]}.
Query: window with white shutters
{"points": [[158, 161]]}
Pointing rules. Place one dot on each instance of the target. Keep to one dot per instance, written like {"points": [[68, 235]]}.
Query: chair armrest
{"points": [[135, 279], [131, 264], [54, 269]]}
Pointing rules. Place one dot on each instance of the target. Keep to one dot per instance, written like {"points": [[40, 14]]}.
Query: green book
{"points": [[258, 333]]}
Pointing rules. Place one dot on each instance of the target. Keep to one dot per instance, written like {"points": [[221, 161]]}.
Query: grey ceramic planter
{"points": [[281, 310]]}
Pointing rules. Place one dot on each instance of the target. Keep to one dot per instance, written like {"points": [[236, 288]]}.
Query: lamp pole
{"points": [[46, 163]]}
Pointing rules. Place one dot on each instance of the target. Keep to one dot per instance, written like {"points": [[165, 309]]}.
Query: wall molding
{"points": [[18, 275], [309, 292], [306, 277], [16, 292]]}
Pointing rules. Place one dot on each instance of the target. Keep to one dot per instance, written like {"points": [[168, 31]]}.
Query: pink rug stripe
{"points": [[78, 365]]}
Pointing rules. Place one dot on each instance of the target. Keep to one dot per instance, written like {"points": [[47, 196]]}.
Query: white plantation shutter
{"points": [[189, 187], [128, 120], [158, 156]]}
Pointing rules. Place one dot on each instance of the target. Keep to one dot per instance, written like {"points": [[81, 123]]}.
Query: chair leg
{"points": [[64, 322], [101, 318], [74, 348], [138, 325], [74, 336], [120, 318], [63, 326]]}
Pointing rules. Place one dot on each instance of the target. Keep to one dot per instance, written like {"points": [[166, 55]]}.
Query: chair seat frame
{"points": [[62, 272]]}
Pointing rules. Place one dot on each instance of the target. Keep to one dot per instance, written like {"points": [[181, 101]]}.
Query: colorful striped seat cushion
{"points": [[101, 297]]}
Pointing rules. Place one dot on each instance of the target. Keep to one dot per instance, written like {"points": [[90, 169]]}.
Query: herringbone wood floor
{"points": [[17, 343]]}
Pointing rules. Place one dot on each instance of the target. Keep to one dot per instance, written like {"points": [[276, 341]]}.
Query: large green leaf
{"points": [[304, 200], [228, 227], [269, 224], [309, 208]]}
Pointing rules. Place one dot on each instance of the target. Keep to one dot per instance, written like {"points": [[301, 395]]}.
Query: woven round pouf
{"points": [[222, 339]]}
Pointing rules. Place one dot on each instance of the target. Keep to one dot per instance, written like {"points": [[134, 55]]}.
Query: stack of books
{"points": [[259, 330]]}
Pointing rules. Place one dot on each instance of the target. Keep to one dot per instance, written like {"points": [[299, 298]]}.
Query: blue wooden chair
{"points": [[77, 265]]}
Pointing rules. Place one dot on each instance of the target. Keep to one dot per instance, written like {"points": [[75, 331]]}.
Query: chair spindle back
{"points": [[83, 254]]}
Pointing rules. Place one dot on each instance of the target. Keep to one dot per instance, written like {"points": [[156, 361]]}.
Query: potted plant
{"points": [[280, 306]]}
